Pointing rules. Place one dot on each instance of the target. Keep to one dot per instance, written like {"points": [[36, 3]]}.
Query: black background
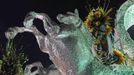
{"points": [[12, 13]]}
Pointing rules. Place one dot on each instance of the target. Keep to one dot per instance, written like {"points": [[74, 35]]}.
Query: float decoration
{"points": [[82, 48]]}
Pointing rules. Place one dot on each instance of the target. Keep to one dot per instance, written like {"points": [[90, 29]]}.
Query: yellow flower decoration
{"points": [[119, 55], [98, 17]]}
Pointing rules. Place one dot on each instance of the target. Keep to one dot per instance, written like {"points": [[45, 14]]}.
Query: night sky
{"points": [[12, 13]]}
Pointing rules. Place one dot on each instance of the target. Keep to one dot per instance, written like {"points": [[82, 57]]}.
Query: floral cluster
{"points": [[99, 21]]}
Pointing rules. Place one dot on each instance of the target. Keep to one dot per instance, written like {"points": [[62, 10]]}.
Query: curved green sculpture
{"points": [[123, 22]]}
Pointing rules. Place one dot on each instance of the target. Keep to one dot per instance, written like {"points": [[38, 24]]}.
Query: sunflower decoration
{"points": [[119, 57], [99, 21]]}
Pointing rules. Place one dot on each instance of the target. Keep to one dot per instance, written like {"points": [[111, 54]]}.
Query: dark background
{"points": [[12, 13]]}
